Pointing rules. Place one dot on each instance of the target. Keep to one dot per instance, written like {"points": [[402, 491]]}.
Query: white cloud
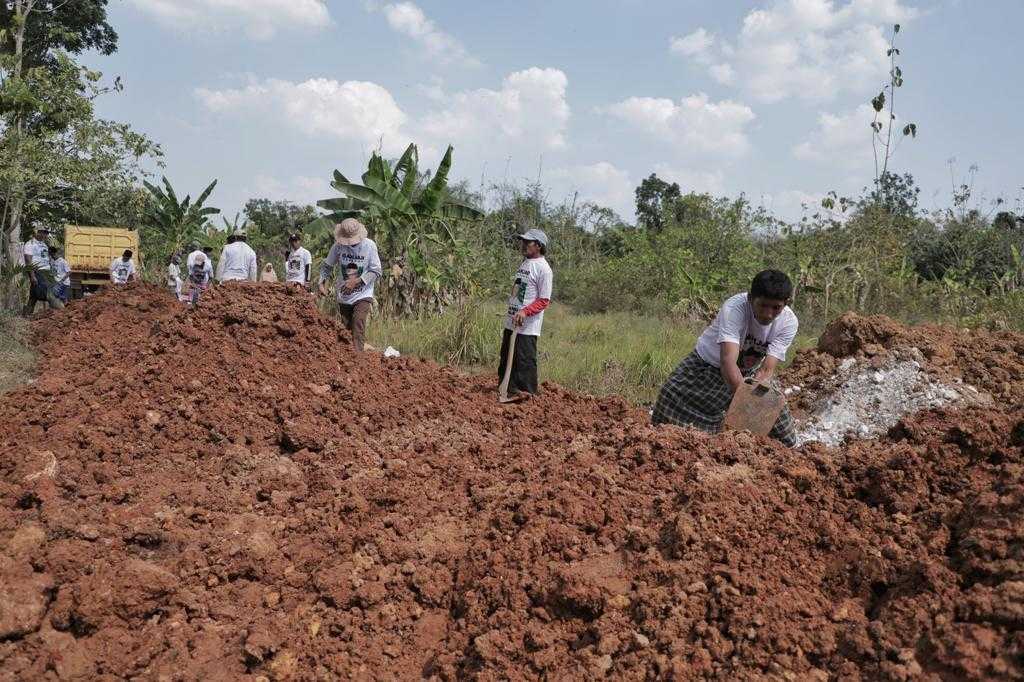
{"points": [[842, 139], [696, 44], [694, 125], [810, 49], [260, 19], [601, 183], [357, 111], [527, 116], [792, 204], [409, 20]]}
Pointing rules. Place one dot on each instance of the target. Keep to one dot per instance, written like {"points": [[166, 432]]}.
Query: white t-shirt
{"points": [[173, 275], [359, 260], [61, 271], [237, 261], [736, 323], [295, 265], [533, 280], [191, 260], [120, 271], [39, 252]]}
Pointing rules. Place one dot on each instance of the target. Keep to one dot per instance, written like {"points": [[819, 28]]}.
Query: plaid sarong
{"points": [[695, 394]]}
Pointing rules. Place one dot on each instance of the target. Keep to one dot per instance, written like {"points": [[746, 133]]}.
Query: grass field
{"points": [[16, 359], [605, 354]]}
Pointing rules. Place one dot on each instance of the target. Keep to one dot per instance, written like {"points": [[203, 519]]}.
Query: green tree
{"points": [[653, 196], [412, 222], [270, 223]]}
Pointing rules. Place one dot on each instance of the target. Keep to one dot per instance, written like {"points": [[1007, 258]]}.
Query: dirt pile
{"points": [[230, 492]]}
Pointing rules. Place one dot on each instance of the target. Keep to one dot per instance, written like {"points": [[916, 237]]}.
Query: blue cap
{"points": [[535, 235]]}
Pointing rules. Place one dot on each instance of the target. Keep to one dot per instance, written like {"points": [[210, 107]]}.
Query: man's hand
{"points": [[351, 284], [322, 288], [518, 319]]}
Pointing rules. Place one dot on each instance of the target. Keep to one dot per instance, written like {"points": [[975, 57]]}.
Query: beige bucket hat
{"points": [[349, 232]]}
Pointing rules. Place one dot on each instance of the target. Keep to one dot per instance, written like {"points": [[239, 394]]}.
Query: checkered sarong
{"points": [[695, 394]]}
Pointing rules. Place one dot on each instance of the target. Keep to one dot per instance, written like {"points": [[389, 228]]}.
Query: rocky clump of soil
{"points": [[230, 492]]}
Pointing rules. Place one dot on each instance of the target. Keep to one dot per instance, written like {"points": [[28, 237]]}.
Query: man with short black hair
{"points": [[122, 270], [747, 340], [61, 275], [297, 261], [531, 294]]}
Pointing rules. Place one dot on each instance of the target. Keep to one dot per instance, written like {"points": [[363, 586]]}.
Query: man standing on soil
{"points": [[37, 262], [237, 260], [531, 294], [297, 262], [122, 270], [355, 255], [61, 275], [748, 339]]}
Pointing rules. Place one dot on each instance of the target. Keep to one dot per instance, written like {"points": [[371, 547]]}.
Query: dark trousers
{"points": [[524, 363], [354, 318], [40, 290]]}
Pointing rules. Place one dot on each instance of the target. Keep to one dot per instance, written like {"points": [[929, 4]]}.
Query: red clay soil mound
{"points": [[990, 361], [232, 493]]}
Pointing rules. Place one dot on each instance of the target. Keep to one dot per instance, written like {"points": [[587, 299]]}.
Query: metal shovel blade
{"points": [[754, 408]]}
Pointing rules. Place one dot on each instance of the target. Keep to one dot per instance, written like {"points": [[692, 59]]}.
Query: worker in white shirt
{"points": [[297, 261], [237, 260], [61, 274], [190, 260], [122, 270], [37, 262], [174, 275]]}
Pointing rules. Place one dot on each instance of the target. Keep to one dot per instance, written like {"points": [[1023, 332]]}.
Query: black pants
{"points": [[524, 363]]}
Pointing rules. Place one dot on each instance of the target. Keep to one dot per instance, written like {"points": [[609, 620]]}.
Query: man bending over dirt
{"points": [[749, 338], [355, 255]]}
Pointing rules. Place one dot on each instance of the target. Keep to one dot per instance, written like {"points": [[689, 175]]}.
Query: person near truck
{"points": [[237, 260], [61, 275], [531, 294], [355, 256], [297, 261], [746, 342], [122, 270], [37, 262]]}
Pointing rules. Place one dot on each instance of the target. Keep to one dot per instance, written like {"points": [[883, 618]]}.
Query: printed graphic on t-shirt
{"points": [[352, 270], [518, 292], [294, 266], [121, 271], [752, 352]]}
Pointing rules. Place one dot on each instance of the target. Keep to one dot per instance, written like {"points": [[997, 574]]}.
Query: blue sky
{"points": [[767, 98]]}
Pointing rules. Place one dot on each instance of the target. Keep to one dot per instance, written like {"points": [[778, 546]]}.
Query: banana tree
{"points": [[170, 223], [414, 223]]}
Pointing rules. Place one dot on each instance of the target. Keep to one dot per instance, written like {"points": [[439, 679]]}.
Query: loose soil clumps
{"points": [[231, 492]]}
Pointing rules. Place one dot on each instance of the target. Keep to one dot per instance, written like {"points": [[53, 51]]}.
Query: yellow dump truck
{"points": [[90, 250]]}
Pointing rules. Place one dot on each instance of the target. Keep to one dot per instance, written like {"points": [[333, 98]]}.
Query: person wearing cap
{"points": [[531, 294], [61, 275], [355, 255], [198, 280], [237, 260], [190, 260], [37, 262], [297, 261], [122, 270]]}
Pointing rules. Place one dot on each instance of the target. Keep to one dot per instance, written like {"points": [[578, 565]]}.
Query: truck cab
{"points": [[90, 251]]}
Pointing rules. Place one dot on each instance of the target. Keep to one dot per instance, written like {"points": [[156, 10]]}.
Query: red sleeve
{"points": [[536, 307]]}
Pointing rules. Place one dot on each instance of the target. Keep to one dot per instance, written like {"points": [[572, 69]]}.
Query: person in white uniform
{"points": [[237, 260]]}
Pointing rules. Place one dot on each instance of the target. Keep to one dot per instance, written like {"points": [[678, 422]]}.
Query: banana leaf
{"points": [[433, 193], [407, 166], [360, 192]]}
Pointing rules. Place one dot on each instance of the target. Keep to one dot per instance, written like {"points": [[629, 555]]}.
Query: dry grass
{"points": [[17, 360]]}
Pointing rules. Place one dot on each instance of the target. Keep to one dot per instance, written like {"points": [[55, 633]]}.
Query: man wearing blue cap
{"points": [[531, 294]]}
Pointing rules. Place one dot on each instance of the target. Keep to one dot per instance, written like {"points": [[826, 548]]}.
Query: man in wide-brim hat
{"points": [[355, 257]]}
